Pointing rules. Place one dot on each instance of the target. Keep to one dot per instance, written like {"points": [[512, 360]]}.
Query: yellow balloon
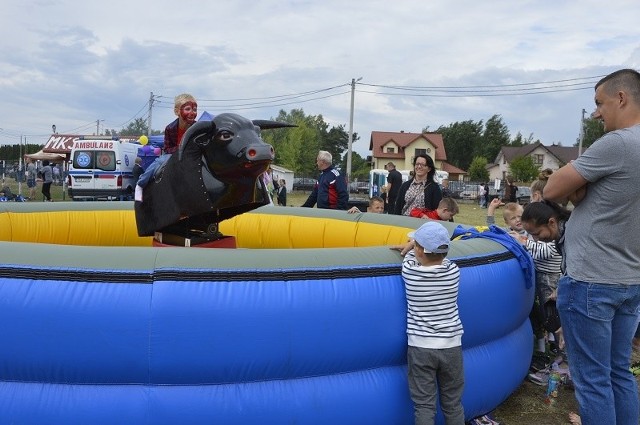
{"points": [[144, 140]]}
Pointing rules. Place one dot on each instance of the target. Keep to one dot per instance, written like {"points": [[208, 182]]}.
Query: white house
{"points": [[553, 157], [283, 173]]}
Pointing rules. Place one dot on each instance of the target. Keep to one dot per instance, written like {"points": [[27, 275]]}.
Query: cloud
{"points": [[72, 63]]}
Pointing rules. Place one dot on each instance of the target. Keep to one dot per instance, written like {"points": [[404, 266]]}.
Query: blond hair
{"points": [[543, 177], [181, 99], [510, 208]]}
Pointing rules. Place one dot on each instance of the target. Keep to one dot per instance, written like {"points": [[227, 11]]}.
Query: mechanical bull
{"points": [[214, 176]]}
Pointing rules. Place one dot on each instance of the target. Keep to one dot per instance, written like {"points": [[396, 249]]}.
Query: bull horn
{"points": [[269, 124], [195, 129]]}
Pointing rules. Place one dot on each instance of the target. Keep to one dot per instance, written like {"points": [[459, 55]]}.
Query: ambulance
{"points": [[102, 169]]}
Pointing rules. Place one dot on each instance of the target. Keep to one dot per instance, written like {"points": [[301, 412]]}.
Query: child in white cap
{"points": [[434, 330]]}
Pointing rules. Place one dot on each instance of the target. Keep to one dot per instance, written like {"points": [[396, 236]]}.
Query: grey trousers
{"points": [[432, 370]]}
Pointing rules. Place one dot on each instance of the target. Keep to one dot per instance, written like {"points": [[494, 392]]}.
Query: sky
{"points": [[88, 66]]}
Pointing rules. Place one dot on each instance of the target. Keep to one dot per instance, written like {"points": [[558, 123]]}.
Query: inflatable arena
{"points": [[303, 323]]}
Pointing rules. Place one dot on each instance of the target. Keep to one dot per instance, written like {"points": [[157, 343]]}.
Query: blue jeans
{"points": [[598, 323]]}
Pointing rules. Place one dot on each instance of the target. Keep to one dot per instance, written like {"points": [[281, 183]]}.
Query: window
{"points": [[420, 152], [102, 160], [538, 159], [391, 150]]}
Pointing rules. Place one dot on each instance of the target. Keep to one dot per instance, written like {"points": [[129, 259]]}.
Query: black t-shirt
{"points": [[395, 179], [512, 195]]}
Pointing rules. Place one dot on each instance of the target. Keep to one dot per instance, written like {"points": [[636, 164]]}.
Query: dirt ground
{"points": [[526, 406]]}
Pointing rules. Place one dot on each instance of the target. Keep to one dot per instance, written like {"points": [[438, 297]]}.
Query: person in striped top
{"points": [[434, 329]]}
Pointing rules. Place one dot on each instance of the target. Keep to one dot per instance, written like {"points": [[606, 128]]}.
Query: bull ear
{"points": [[268, 124], [198, 128]]}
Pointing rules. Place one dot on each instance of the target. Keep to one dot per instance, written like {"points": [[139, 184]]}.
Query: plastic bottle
{"points": [[552, 387]]}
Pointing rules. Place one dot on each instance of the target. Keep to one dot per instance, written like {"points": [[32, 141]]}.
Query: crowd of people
{"points": [[587, 294]]}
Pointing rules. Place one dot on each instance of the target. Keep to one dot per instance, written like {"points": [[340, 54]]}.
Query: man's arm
{"points": [[566, 183], [343, 192], [313, 197]]}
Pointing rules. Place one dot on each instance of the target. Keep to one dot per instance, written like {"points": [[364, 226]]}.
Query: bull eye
{"points": [[224, 136], [251, 153]]}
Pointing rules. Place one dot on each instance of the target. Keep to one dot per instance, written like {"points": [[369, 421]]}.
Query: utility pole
{"points": [[349, 146], [98, 121], [150, 112], [581, 132], [20, 172]]}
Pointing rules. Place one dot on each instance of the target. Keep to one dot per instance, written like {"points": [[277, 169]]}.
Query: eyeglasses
{"points": [[420, 164]]}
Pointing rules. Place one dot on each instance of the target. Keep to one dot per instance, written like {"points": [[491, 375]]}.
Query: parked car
{"points": [[523, 195], [470, 192], [455, 188], [359, 187], [303, 183]]}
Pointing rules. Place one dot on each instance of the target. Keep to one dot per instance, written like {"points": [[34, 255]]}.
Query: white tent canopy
{"points": [[52, 157]]}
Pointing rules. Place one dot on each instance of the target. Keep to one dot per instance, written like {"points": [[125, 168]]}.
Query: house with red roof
{"points": [[402, 147]]}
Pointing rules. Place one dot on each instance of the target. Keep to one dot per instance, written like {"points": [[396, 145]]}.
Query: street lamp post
{"points": [[349, 146]]}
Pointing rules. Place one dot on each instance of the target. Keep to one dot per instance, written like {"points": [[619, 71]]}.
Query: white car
{"points": [[470, 192]]}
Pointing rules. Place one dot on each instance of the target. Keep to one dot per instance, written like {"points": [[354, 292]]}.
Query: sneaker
{"points": [[483, 420], [539, 378], [539, 362]]}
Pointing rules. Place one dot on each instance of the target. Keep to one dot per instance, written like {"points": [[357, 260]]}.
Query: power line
{"points": [[552, 82], [477, 93]]}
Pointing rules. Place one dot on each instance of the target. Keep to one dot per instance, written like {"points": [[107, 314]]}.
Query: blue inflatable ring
{"points": [[306, 327]]}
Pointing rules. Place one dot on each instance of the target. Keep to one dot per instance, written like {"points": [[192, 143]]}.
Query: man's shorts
{"points": [[31, 183]]}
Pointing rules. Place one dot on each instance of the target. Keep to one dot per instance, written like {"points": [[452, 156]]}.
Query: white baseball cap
{"points": [[433, 237]]}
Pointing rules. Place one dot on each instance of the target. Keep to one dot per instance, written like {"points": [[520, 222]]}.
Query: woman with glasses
{"points": [[421, 191]]}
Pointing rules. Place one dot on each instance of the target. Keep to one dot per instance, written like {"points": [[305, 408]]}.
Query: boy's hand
{"points": [[517, 236], [495, 203], [404, 248]]}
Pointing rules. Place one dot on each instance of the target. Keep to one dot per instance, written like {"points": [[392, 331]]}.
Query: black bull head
{"points": [[214, 176]]}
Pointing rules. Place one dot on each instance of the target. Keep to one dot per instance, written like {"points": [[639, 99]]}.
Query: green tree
{"points": [[519, 140], [136, 127], [12, 152], [494, 137], [478, 170], [359, 166], [296, 148], [523, 169], [336, 141], [461, 140], [593, 130]]}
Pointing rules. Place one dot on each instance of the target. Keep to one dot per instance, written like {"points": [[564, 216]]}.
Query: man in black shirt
{"points": [[394, 181]]}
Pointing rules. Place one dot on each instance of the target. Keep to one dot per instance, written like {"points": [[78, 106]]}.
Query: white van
{"points": [[101, 168], [378, 179]]}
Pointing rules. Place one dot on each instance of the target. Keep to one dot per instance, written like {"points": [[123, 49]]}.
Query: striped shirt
{"points": [[546, 257], [432, 303]]}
